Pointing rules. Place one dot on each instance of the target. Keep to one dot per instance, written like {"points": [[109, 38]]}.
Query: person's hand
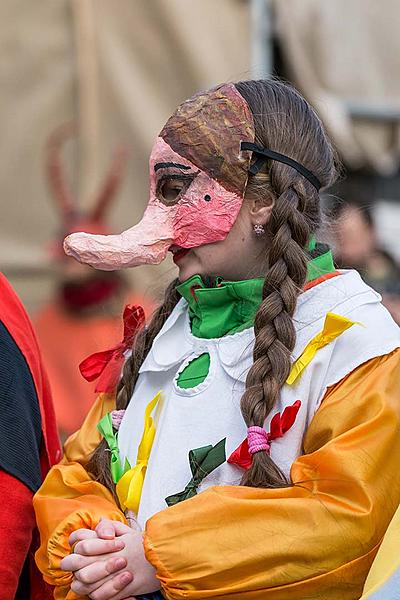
{"points": [[95, 562], [98, 552], [106, 530], [144, 580]]}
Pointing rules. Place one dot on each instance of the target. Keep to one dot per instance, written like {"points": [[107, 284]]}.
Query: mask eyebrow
{"points": [[165, 165]]}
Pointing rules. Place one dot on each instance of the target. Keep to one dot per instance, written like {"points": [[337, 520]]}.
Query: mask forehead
{"points": [[207, 130]]}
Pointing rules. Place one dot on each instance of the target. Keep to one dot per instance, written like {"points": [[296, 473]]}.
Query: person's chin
{"points": [[185, 274], [187, 270]]}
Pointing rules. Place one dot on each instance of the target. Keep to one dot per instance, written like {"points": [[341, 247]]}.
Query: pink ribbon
{"points": [[258, 439]]}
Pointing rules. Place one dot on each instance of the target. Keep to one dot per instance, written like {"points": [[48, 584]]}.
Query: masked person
{"points": [[28, 447], [255, 430], [83, 315]]}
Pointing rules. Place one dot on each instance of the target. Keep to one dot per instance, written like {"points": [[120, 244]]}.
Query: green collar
{"points": [[226, 309], [231, 306]]}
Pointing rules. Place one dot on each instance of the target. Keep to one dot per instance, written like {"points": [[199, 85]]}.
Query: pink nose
{"points": [[145, 243]]}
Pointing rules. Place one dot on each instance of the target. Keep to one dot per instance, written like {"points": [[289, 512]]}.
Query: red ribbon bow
{"points": [[278, 427], [106, 366]]}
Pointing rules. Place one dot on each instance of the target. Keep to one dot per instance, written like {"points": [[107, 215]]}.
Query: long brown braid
{"points": [[285, 123], [99, 464]]}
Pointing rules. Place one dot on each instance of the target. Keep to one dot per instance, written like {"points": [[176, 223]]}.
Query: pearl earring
{"points": [[259, 229]]}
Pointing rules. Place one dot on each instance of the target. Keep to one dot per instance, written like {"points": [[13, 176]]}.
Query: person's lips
{"points": [[178, 253]]}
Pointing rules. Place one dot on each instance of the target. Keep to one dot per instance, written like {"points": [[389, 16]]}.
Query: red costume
{"points": [[84, 316], [29, 446]]}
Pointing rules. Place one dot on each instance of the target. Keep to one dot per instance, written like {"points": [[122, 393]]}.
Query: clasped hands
{"points": [[109, 563]]}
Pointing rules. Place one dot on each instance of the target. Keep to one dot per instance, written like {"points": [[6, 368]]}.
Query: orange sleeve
{"points": [[315, 539], [70, 499]]}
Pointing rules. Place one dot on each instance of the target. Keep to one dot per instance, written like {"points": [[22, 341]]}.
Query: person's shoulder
{"points": [[376, 327], [7, 342], [374, 332], [11, 308], [368, 329], [7, 289]]}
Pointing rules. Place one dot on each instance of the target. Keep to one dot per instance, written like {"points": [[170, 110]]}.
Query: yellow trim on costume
{"points": [[387, 561], [334, 326], [129, 487]]}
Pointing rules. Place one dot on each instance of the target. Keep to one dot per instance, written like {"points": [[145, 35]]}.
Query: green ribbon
{"points": [[202, 461], [312, 243], [106, 429]]}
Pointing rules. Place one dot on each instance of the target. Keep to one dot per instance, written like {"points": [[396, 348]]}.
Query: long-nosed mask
{"points": [[200, 147]]}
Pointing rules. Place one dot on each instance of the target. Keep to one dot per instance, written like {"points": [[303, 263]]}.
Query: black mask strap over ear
{"points": [[263, 154]]}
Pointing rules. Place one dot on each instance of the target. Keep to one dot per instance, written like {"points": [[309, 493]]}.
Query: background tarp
{"points": [[344, 53], [119, 69]]}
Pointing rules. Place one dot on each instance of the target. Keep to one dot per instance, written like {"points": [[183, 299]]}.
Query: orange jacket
{"points": [[315, 539]]}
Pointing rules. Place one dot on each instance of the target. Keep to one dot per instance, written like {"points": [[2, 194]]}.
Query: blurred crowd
{"points": [[359, 243]]}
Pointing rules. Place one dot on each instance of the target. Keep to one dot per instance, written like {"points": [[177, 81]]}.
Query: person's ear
{"points": [[260, 211]]}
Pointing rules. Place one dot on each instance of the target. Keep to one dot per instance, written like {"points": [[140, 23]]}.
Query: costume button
{"points": [[195, 372]]}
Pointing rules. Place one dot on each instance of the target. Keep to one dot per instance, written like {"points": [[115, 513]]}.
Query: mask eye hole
{"points": [[170, 188]]}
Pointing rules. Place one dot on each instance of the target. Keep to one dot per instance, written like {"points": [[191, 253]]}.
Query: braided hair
{"points": [[285, 123]]}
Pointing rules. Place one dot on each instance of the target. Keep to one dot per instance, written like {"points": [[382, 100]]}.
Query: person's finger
{"points": [[95, 547], [100, 569], [85, 589], [88, 587], [105, 529], [106, 526], [74, 562], [81, 534], [113, 587]]}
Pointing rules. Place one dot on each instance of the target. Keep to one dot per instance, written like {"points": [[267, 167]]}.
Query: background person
{"points": [[28, 447]]}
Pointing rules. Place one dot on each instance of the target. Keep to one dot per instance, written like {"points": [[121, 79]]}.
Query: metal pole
{"points": [[83, 12], [372, 112], [261, 38]]}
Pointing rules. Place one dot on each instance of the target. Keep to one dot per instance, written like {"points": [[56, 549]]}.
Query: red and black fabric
{"points": [[29, 445]]}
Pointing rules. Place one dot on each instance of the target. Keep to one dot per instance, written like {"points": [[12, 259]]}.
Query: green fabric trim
{"points": [[312, 243], [202, 461], [230, 306], [195, 372], [105, 427], [321, 265]]}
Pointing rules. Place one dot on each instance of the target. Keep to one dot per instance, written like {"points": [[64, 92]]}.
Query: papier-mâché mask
{"points": [[199, 147]]}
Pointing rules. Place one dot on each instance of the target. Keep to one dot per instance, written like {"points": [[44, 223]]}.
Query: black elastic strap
{"points": [[264, 153]]}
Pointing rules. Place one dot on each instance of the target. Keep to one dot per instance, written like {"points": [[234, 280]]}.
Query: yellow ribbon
{"points": [[334, 326], [129, 487]]}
